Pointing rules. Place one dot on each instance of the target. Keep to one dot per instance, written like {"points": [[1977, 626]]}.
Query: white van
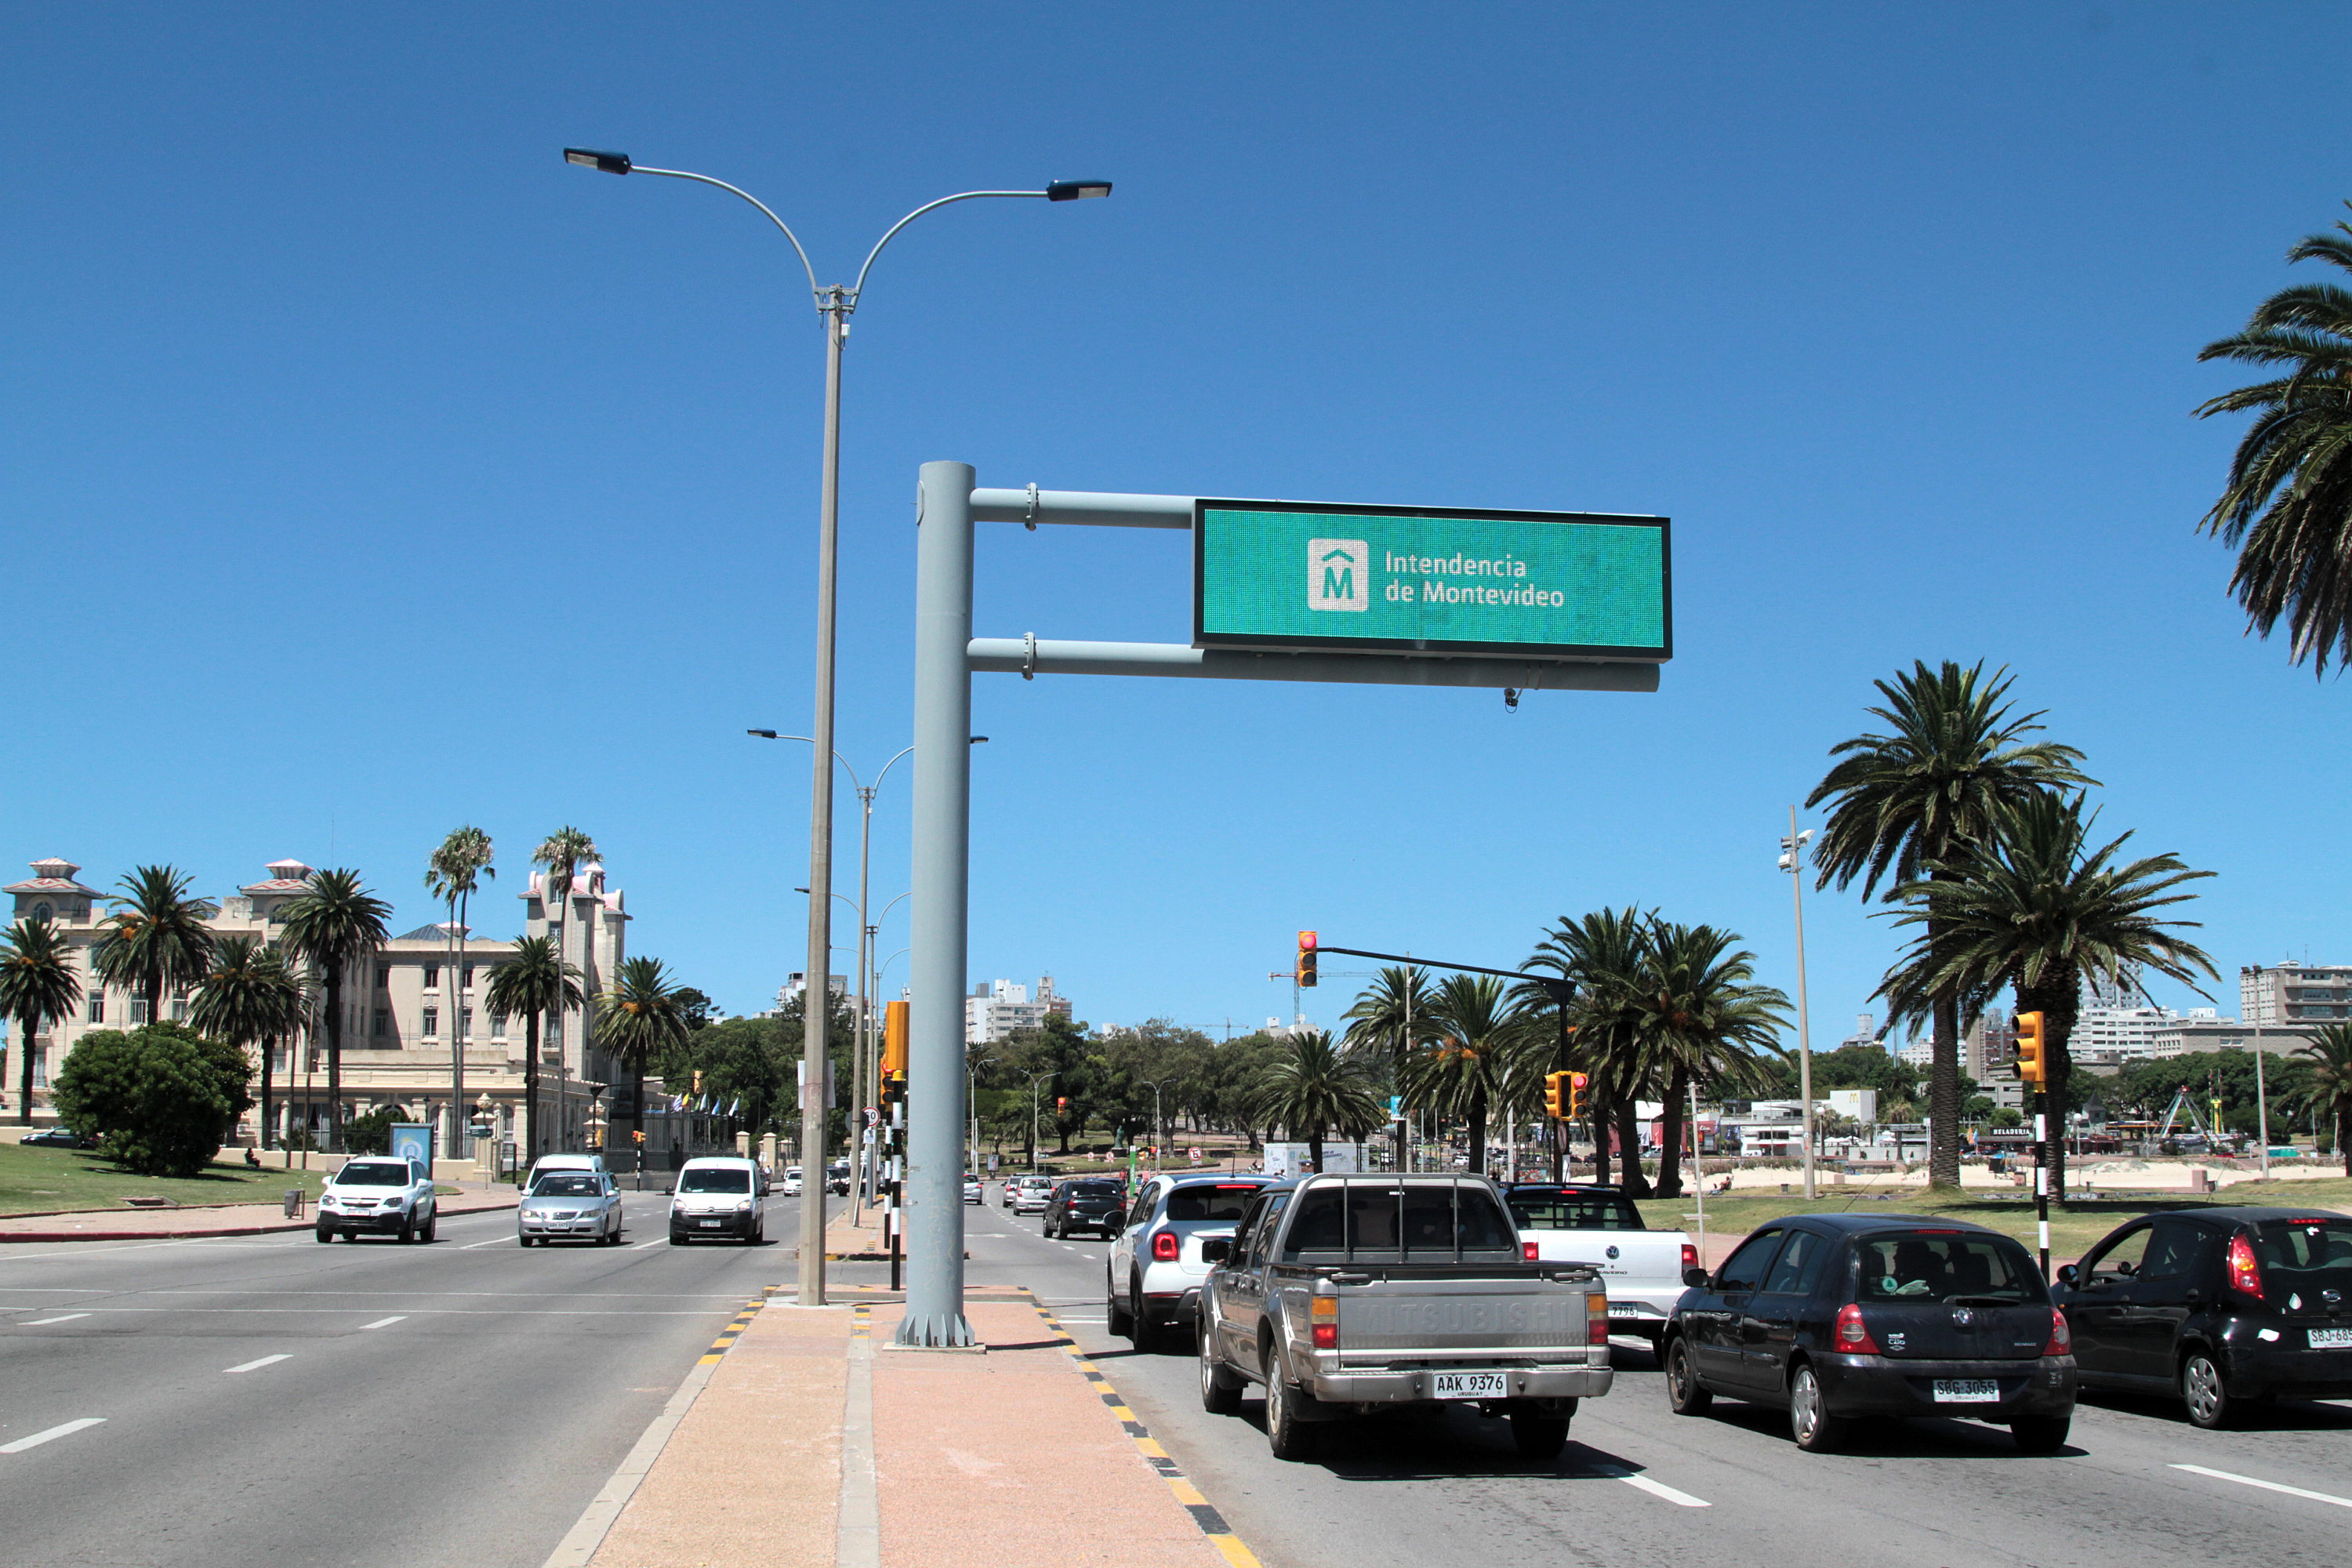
{"points": [[715, 1195]]}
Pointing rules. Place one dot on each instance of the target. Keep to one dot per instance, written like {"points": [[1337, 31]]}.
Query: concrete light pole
{"points": [[835, 304], [1792, 855]]}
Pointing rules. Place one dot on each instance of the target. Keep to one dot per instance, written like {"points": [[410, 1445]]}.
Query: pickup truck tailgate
{"points": [[1450, 1315]]}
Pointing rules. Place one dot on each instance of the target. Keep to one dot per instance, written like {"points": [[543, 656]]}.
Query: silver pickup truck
{"points": [[1344, 1295]]}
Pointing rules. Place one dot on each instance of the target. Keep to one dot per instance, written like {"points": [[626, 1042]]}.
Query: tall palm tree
{"points": [[638, 1018], [37, 988], [2287, 508], [1602, 954], [1390, 1015], [2329, 1093], [2032, 906], [156, 938], [1312, 1086], [562, 852], [252, 1000], [1479, 1037], [1906, 801], [454, 872], [1701, 1016], [534, 982], [335, 922]]}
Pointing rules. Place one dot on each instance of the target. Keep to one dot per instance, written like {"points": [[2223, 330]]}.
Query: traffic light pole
{"points": [[2042, 1176]]}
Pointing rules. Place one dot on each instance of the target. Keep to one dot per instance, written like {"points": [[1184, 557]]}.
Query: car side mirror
{"points": [[2066, 1275], [1216, 1249], [1695, 1278]]}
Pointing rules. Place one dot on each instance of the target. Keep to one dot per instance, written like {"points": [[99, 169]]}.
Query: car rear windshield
{"points": [[715, 1179], [1946, 1266], [1574, 1211], [566, 1185], [373, 1175], [1094, 1189], [2305, 1256], [1401, 1221], [1225, 1201]]}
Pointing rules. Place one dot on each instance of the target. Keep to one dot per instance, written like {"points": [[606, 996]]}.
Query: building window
{"points": [[469, 977], [383, 976], [383, 1023], [432, 975], [497, 1026], [179, 1009], [98, 1006], [432, 1022], [140, 1011], [40, 1069], [42, 913], [465, 1023]]}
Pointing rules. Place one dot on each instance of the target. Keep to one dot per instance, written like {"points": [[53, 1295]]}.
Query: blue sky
{"points": [[365, 471]]}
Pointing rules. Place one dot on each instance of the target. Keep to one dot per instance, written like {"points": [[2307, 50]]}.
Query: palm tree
{"points": [[2329, 1093], [2032, 907], [637, 1018], [1311, 1086], [1392, 1015], [157, 937], [37, 988], [1479, 1038], [1908, 800], [2287, 508], [334, 923], [1602, 954], [562, 852], [252, 1000], [534, 982], [454, 872], [1700, 1015]]}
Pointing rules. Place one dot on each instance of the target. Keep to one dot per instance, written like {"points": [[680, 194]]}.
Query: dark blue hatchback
{"points": [[1840, 1316]]}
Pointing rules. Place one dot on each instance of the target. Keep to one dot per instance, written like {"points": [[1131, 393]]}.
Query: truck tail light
{"points": [[1690, 1256], [1596, 1317], [1852, 1337], [2062, 1338], [1165, 1248], [1529, 1250], [1324, 1314], [2245, 1275]]}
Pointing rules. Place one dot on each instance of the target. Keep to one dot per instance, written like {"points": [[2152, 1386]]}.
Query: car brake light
{"points": [[1690, 1256], [2245, 1275], [1852, 1336], [1324, 1314], [1596, 1317], [1165, 1247], [2062, 1338], [1529, 1251]]}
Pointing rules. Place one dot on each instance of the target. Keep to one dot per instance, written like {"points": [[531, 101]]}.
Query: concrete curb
{"points": [[275, 1228]]}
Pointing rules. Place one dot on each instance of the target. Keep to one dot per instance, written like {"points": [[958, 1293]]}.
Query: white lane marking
{"points": [[1660, 1489], [494, 1241], [2266, 1485], [641, 1245], [384, 1322], [37, 1322], [256, 1365], [38, 1438]]}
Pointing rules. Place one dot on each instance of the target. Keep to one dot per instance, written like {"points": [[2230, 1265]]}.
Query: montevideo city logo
{"points": [[1339, 575]]}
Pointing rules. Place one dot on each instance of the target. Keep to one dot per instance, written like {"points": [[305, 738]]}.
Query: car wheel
{"points": [[2040, 1433], [1686, 1396], [1810, 1421], [522, 1241], [2201, 1391], [1285, 1434], [1145, 1334], [675, 1239], [433, 1224], [1221, 1391], [408, 1229], [1117, 1319], [325, 1236], [1539, 1436]]}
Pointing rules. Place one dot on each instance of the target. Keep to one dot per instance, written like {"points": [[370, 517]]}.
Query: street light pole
{"points": [[835, 304], [1792, 857]]}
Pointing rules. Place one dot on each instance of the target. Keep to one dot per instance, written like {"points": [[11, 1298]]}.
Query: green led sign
{"points": [[1543, 585]]}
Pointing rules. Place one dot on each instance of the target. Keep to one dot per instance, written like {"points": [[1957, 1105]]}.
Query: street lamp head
{"points": [[590, 158], [763, 734], [980, 740], [1059, 191]]}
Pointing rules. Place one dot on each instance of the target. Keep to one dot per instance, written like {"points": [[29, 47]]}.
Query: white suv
{"points": [[378, 1194], [1152, 1279]]}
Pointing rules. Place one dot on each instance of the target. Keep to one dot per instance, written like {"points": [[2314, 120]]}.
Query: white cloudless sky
{"points": [[365, 470]]}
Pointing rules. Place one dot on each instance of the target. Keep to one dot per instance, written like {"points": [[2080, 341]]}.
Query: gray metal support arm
{"points": [[1024, 655], [1093, 508]]}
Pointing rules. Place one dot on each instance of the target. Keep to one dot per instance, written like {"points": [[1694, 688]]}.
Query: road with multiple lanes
{"points": [[267, 1398]]}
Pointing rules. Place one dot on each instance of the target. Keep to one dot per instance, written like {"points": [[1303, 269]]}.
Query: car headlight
{"points": [[744, 1207]]}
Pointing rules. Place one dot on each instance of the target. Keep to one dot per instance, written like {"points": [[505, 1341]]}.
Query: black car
{"points": [[60, 1137], [1096, 1204], [1838, 1316], [2218, 1307]]}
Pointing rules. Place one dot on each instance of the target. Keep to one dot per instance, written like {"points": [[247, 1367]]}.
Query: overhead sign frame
{"points": [[1276, 588]]}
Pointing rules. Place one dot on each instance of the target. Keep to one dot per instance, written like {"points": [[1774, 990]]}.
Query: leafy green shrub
{"points": [[156, 1098], [372, 1133]]}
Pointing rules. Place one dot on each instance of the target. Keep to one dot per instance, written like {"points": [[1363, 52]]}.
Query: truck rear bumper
{"points": [[1417, 1386]]}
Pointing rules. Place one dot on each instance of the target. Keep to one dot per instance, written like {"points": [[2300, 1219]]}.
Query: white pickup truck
{"points": [[1600, 1226]]}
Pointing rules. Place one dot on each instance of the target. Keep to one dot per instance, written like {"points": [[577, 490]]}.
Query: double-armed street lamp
{"points": [[1792, 860], [835, 304]]}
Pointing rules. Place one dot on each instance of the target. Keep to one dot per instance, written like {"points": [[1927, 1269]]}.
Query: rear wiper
{"points": [[1986, 1300]]}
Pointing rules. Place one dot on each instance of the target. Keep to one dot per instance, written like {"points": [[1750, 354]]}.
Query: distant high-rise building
{"points": [[998, 1009], [2294, 993]]}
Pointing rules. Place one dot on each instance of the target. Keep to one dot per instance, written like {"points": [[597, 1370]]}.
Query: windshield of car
{"points": [[377, 1174], [566, 1185], [716, 1179], [1574, 1211], [1225, 1201], [1946, 1266], [1406, 1222], [2305, 1256]]}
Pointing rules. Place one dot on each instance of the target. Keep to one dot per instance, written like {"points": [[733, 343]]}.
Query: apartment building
{"points": [[2294, 993], [999, 1009]]}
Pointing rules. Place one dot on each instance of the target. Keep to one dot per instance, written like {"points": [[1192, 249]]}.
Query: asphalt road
{"points": [[266, 1399], [1639, 1484]]}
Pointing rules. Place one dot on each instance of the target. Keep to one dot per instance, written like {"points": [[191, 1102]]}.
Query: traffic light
{"points": [[1564, 1095], [1576, 1082], [1306, 958], [2031, 1069], [698, 1080], [638, 1136], [1061, 1102], [894, 1052]]}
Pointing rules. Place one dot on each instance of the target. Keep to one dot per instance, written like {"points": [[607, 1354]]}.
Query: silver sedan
{"points": [[570, 1206]]}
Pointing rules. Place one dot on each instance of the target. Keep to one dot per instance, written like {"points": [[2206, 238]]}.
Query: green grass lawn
{"points": [[36, 1179], [2074, 1227]]}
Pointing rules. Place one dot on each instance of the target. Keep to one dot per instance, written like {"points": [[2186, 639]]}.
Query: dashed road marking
{"points": [[257, 1365], [384, 1322], [494, 1241], [1660, 1489], [38, 1438], [2266, 1485], [40, 1322]]}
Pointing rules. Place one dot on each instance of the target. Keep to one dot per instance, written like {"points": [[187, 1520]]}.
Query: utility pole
{"points": [[1792, 860]]}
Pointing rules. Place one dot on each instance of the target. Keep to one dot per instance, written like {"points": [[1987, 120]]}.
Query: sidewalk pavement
{"points": [[802, 1440], [180, 1224]]}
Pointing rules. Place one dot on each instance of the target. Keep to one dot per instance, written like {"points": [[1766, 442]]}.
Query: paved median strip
{"points": [[52, 1435], [2267, 1485], [257, 1365]]}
